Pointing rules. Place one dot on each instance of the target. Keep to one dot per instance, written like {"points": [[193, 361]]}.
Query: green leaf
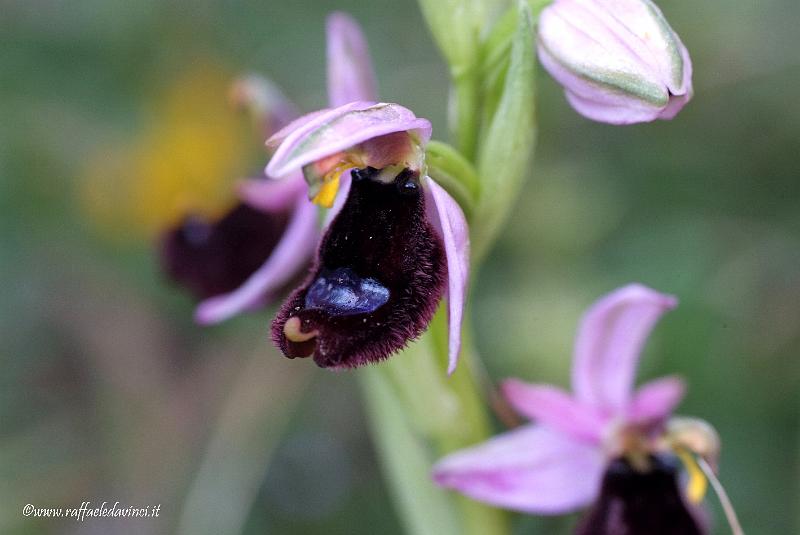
{"points": [[456, 27], [506, 149]]}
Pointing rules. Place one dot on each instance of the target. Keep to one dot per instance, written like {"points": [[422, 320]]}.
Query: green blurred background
{"points": [[108, 392]]}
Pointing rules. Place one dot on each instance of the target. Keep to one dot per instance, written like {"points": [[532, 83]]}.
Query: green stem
{"points": [[406, 460], [418, 415]]}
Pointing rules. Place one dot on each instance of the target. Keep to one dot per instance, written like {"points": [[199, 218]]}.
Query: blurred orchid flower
{"points": [[619, 61], [348, 71], [185, 158], [397, 238], [240, 260], [606, 443]]}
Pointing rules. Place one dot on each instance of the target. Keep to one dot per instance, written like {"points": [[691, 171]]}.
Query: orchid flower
{"points": [[397, 238], [619, 61], [605, 443], [237, 261]]}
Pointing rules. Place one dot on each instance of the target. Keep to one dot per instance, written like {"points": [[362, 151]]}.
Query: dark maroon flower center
{"points": [[634, 501], [379, 275], [215, 257]]}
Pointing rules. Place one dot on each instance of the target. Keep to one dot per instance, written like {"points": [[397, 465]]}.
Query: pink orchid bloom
{"points": [[557, 464], [619, 61], [396, 238]]}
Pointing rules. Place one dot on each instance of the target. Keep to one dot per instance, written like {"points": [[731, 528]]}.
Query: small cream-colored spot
{"points": [[293, 333]]}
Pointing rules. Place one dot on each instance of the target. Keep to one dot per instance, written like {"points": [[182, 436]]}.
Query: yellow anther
{"points": [[323, 177], [328, 190], [698, 484]]}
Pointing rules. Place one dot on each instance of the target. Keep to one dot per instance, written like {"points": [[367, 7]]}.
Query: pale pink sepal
{"points": [[452, 226], [555, 408], [340, 129], [531, 469], [642, 28], [350, 73], [296, 124], [655, 401], [609, 341], [298, 243]]}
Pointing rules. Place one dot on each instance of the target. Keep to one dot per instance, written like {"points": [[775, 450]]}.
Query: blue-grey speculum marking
{"points": [[340, 292]]}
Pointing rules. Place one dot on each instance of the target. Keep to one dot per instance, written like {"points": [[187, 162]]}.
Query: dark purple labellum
{"points": [[212, 258], [379, 275], [634, 502]]}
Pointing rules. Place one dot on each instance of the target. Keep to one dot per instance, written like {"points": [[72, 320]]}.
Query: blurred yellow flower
{"points": [[184, 161]]}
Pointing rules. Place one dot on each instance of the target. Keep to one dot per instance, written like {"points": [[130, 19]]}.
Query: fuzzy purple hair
{"points": [[385, 257]]}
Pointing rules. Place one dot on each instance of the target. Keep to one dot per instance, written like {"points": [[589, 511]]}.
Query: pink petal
{"points": [[278, 137], [641, 25], [272, 195], [556, 409], [290, 255], [610, 338], [340, 129], [600, 103], [676, 103], [655, 401], [610, 110], [584, 36], [452, 225], [350, 74], [531, 469]]}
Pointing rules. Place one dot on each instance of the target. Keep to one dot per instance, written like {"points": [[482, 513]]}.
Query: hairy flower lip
{"points": [[644, 499], [380, 237]]}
